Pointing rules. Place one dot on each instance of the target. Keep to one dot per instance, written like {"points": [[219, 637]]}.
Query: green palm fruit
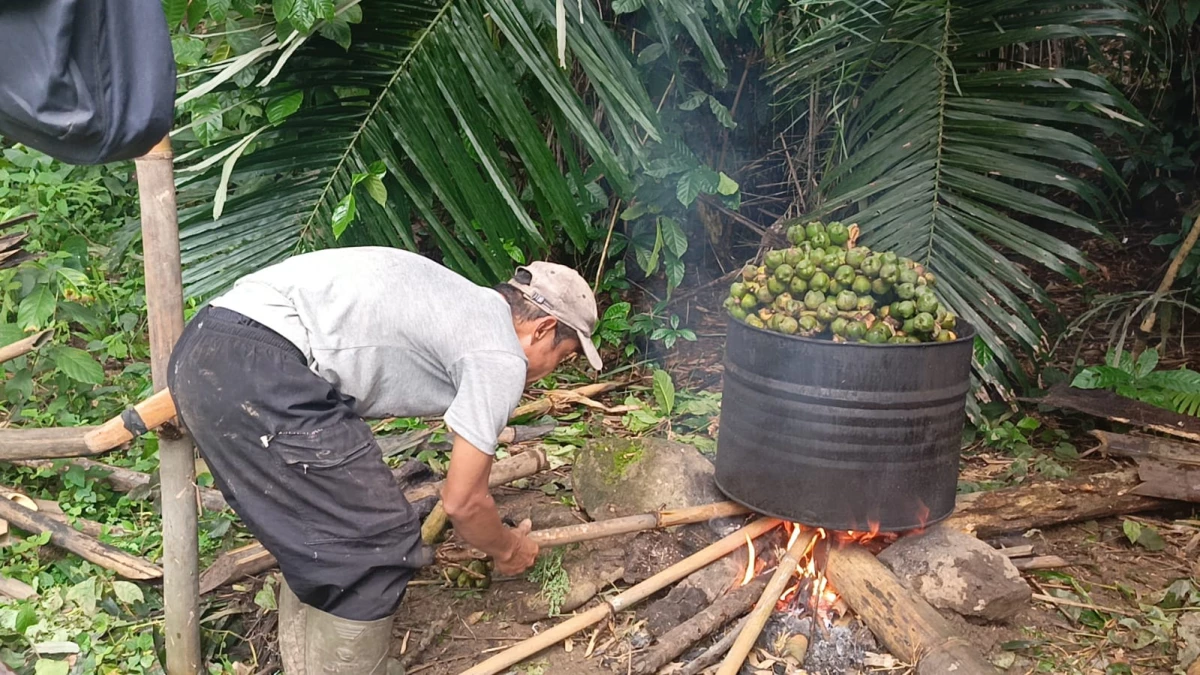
{"points": [[752, 320], [856, 256], [866, 303], [809, 324], [787, 325], [946, 336], [846, 301], [749, 301], [764, 294], [909, 326], [838, 233], [897, 340], [880, 287], [815, 227], [872, 265], [889, 272], [784, 272], [453, 573], [830, 263], [877, 335], [772, 322], [797, 286], [834, 250], [796, 234], [927, 303], [781, 301], [905, 309], [775, 286], [855, 330], [827, 312], [819, 240], [923, 322], [749, 272], [838, 326], [835, 287], [905, 291], [792, 256], [908, 277], [817, 256], [844, 275], [889, 258], [906, 263], [737, 312], [773, 259], [949, 322], [861, 285], [819, 281], [765, 314], [737, 289], [804, 269], [813, 299]]}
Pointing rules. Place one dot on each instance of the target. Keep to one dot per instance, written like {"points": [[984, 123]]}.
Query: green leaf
{"points": [[626, 6], [337, 30], [674, 269], [721, 113], [128, 592], [84, 595], [694, 182], [1146, 363], [343, 215], [727, 186], [1100, 377], [78, 365], [219, 9], [650, 54], [196, 12], [1166, 239], [376, 189], [1151, 540], [635, 211], [664, 391], [35, 309], [188, 50], [674, 240], [282, 9], [175, 11], [207, 119], [26, 617], [281, 108], [265, 597], [51, 667], [1132, 529], [693, 101]]}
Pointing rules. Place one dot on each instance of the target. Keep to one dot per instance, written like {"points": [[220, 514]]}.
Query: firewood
{"points": [[909, 627], [1141, 447], [63, 536], [714, 652], [15, 589], [18, 444], [1110, 406], [25, 345], [1168, 480], [728, 607], [624, 600]]}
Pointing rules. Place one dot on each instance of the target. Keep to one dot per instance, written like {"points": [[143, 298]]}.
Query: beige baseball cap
{"points": [[563, 294]]}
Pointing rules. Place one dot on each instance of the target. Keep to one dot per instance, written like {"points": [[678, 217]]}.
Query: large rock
{"points": [[953, 570], [616, 477]]}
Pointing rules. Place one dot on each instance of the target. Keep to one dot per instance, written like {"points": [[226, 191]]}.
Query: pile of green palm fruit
{"points": [[826, 286]]}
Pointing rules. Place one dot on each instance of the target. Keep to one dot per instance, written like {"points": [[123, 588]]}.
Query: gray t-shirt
{"points": [[400, 333]]}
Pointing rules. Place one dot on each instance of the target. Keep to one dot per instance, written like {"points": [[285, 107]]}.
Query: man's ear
{"points": [[544, 327]]}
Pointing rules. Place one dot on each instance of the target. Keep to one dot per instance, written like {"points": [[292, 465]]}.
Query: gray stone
{"points": [[616, 477], [953, 570]]}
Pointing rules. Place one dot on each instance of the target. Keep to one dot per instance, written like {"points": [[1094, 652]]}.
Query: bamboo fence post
{"points": [[177, 467]]}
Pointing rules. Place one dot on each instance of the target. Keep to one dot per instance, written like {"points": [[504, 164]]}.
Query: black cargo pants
{"points": [[297, 465]]}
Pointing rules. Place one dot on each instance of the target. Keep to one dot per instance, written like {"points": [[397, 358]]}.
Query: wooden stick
{"points": [[573, 534], [631, 596], [715, 652], [1139, 447], [1172, 272], [125, 480], [176, 454], [148, 414], [254, 558], [55, 442], [63, 536], [16, 589], [766, 604], [909, 627], [1109, 405], [52, 508], [676, 641], [1042, 597], [24, 346], [1040, 562]]}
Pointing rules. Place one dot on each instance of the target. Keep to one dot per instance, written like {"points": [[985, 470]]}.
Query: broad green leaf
{"points": [[207, 120], [1150, 539], [78, 365], [197, 9], [219, 9], [337, 30], [84, 595], [72, 277], [376, 189], [626, 6], [635, 211], [241, 38], [674, 269], [721, 113], [699, 180], [1168, 239], [26, 617], [343, 215], [1146, 363], [279, 109], [651, 54], [674, 240], [35, 309], [694, 100], [282, 9], [51, 667], [647, 255], [1132, 529], [727, 186], [128, 592], [265, 597], [175, 11], [664, 391], [188, 50], [1181, 381]]}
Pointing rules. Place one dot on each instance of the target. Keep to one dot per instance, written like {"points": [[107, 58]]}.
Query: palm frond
{"points": [[435, 92], [947, 148]]}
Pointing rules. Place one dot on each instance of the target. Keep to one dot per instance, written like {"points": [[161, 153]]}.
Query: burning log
{"points": [[910, 628], [766, 603], [631, 596]]}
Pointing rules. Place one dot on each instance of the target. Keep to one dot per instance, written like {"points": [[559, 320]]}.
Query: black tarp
{"points": [[85, 81]]}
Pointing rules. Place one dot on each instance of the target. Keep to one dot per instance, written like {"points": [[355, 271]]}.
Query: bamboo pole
{"points": [[176, 456], [1172, 271], [766, 604], [22, 347], [624, 600]]}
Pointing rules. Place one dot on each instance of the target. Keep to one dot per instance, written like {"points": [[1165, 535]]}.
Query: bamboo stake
{"points": [[766, 604], [176, 455], [716, 651], [1172, 271], [22, 347], [631, 596]]}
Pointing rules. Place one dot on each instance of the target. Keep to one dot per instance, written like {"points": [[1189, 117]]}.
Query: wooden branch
{"points": [[1141, 447], [52, 443], [1168, 480], [1123, 410], [254, 558], [152, 413], [125, 480], [24, 346], [676, 641], [1172, 272], [63, 536], [1024, 507], [909, 627], [1040, 562], [54, 510], [766, 604], [715, 651], [556, 397], [16, 589], [631, 596]]}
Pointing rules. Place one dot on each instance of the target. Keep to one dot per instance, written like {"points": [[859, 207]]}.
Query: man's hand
{"points": [[472, 511], [524, 551]]}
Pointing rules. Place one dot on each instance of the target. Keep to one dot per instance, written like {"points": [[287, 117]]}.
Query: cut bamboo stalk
{"points": [[148, 414], [715, 652], [52, 508], [766, 604], [52, 443], [573, 534], [909, 627], [631, 596], [63, 536], [24, 346]]}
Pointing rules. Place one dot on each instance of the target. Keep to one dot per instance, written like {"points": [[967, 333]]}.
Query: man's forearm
{"points": [[469, 504]]}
